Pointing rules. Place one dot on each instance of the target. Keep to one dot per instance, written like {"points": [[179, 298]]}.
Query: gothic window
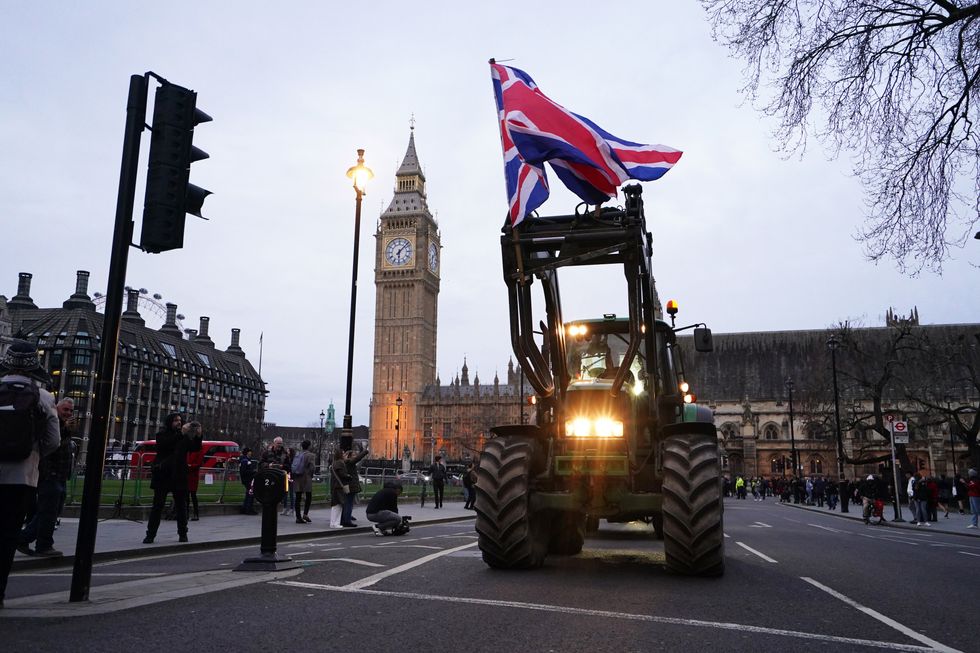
{"points": [[735, 463], [775, 465], [816, 465], [729, 431], [814, 431], [770, 432]]}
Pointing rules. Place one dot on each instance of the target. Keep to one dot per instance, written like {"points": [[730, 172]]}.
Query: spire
{"points": [[410, 164], [466, 373], [409, 183]]}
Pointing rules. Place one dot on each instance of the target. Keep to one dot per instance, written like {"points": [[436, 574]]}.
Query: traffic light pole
{"points": [[122, 237]]}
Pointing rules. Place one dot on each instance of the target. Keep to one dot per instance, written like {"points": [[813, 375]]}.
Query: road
{"points": [[795, 580]]}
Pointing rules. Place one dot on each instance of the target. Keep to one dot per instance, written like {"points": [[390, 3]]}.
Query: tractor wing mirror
{"points": [[702, 340]]}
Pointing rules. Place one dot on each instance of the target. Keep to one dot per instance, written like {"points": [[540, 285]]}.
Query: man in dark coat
{"points": [[438, 474], [382, 509], [246, 474], [170, 475]]}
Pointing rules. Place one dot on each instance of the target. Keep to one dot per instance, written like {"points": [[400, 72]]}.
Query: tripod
{"points": [[117, 512]]}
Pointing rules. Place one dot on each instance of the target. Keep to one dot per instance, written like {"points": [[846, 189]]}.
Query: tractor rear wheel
{"points": [[692, 507], [510, 536]]}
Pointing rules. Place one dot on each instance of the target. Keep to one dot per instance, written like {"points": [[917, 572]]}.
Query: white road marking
{"points": [[726, 534], [751, 550], [827, 528], [351, 560], [300, 553], [371, 580], [395, 545], [908, 632], [673, 621], [53, 574], [759, 524], [975, 555]]}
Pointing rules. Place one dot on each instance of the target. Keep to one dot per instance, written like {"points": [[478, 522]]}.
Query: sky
{"points": [[745, 239]]}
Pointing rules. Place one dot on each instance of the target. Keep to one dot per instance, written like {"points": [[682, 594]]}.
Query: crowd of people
{"points": [[927, 496]]}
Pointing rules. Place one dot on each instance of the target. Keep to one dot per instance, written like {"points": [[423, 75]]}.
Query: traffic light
{"points": [[169, 194]]}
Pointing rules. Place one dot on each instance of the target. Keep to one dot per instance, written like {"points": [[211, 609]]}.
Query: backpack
{"points": [[20, 420], [297, 466]]}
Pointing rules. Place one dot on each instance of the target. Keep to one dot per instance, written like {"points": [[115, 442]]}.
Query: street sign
{"points": [[889, 418], [900, 431]]}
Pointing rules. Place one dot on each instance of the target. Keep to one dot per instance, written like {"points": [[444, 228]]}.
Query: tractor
{"points": [[616, 434]]}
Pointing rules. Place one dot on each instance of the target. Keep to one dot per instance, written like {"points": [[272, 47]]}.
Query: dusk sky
{"points": [[745, 238]]}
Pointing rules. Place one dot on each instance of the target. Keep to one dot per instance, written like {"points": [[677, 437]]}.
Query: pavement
{"points": [[122, 538], [953, 524]]}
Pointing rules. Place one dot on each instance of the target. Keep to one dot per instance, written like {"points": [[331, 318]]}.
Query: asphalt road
{"points": [[795, 580]]}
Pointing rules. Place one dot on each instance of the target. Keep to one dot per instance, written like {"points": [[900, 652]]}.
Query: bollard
{"points": [[270, 486]]}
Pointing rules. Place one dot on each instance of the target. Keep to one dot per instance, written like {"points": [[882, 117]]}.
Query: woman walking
{"points": [[195, 460], [339, 488], [169, 475], [302, 482]]}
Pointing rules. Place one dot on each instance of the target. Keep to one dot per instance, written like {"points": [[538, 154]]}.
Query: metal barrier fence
{"points": [[127, 482]]}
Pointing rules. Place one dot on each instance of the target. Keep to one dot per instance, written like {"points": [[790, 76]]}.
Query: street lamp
{"points": [[952, 424], [833, 342], [398, 418], [792, 436], [360, 175]]}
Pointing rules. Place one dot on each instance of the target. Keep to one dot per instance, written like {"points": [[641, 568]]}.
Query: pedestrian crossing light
{"points": [[169, 193]]}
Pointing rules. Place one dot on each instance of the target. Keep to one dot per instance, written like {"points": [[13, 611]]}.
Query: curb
{"points": [[30, 564], [884, 523]]}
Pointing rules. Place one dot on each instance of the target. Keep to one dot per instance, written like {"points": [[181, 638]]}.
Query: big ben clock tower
{"points": [[406, 277]]}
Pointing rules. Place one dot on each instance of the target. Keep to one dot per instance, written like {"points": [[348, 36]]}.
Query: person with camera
{"points": [[169, 474], [339, 487], [382, 509]]}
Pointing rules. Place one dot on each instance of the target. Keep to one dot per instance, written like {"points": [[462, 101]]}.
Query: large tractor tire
{"points": [[694, 543], [567, 534], [510, 536]]}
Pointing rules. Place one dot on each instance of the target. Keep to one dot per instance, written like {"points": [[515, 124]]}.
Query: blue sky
{"points": [[745, 239]]}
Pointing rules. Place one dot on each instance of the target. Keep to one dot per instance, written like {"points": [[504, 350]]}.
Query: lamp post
{"points": [[952, 425], [360, 175], [833, 342], [792, 436], [398, 419], [320, 439]]}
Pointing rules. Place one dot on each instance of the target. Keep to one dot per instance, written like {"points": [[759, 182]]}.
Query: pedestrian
{"points": [[301, 473], [830, 488], [339, 487], [739, 487], [382, 509], [921, 494], [354, 481], [195, 460], [960, 494], [53, 473], [169, 474], [469, 486], [868, 489], [289, 501], [246, 474], [933, 486], [29, 430], [819, 490], [275, 457], [844, 491], [913, 502], [944, 494], [972, 491], [438, 473]]}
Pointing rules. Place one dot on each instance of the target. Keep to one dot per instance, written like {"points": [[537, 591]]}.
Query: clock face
{"points": [[398, 251], [433, 257]]}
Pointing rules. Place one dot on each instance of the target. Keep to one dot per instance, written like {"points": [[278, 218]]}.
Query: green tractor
{"points": [[616, 434]]}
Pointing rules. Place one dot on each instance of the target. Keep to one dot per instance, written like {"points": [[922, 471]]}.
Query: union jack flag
{"points": [[591, 162]]}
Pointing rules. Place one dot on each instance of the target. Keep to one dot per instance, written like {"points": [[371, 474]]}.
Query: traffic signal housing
{"points": [[169, 193]]}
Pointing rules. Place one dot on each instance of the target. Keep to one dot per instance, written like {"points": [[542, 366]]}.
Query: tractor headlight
{"points": [[602, 427]]}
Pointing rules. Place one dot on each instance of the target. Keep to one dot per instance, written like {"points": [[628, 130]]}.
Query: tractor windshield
{"points": [[596, 352]]}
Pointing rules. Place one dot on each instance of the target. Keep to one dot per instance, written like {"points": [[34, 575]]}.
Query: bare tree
{"points": [[894, 82], [944, 380]]}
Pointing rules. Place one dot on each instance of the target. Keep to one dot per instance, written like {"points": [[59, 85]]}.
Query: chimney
{"points": [[22, 300], [235, 348], [80, 298], [132, 313], [170, 325], [202, 336]]}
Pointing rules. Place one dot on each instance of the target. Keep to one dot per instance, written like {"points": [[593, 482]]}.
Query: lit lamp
{"points": [[398, 417], [360, 175]]}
